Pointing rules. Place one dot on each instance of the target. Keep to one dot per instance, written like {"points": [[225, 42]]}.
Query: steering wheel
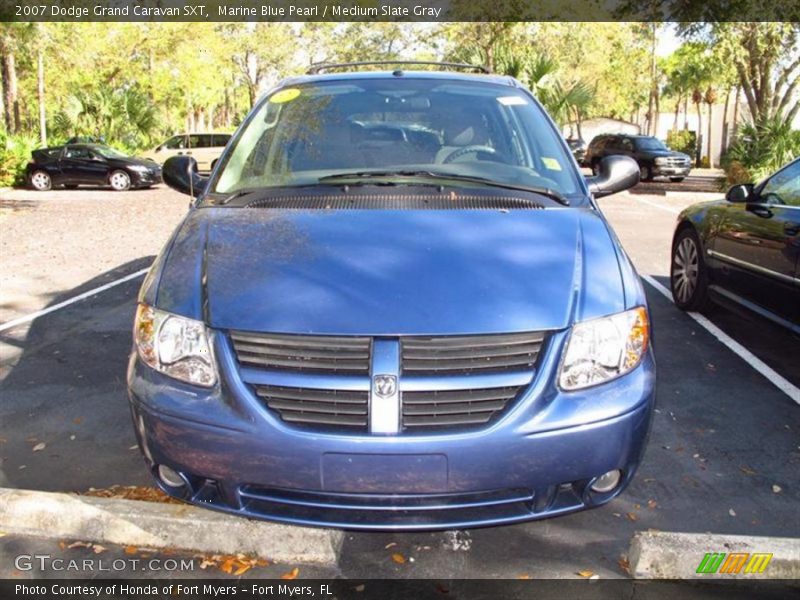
{"points": [[469, 149]]}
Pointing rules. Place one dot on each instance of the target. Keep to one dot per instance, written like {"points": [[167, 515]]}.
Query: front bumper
{"points": [[537, 461], [670, 171], [146, 178]]}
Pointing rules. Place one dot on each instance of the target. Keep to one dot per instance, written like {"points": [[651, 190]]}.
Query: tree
{"points": [[710, 97]]}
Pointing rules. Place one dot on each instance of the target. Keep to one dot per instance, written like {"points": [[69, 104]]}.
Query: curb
{"points": [[665, 555], [157, 525]]}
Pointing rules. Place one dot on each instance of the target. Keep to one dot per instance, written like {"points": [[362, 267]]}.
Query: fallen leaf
{"points": [[390, 545], [62, 545], [242, 569], [525, 576], [651, 504], [624, 564], [360, 587], [632, 516], [731, 512], [79, 545], [39, 447], [747, 470], [77, 420], [585, 573], [131, 549], [291, 574], [135, 447], [98, 548], [595, 576], [227, 566], [776, 489], [637, 506], [398, 558]]}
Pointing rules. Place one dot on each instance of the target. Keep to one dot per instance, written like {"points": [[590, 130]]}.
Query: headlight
{"points": [[605, 348], [662, 160], [140, 168], [173, 345]]}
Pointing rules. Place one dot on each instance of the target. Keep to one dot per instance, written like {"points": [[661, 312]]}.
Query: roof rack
{"points": [[320, 67]]}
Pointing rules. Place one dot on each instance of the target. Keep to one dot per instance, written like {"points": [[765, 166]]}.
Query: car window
{"points": [[177, 142], [626, 144], [77, 153], [471, 129], [650, 143], [783, 187]]}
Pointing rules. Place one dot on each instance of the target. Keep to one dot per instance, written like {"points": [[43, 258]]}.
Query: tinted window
{"points": [[77, 153], [221, 139], [626, 144], [783, 187], [650, 143], [176, 143], [466, 128]]}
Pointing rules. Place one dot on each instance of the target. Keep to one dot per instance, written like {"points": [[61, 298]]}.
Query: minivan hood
{"points": [[392, 272]]}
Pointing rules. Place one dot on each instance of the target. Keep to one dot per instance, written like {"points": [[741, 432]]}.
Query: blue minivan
{"points": [[394, 304]]}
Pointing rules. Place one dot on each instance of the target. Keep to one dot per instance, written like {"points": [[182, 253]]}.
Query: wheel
{"points": [[71, 186], [645, 173], [676, 179], [41, 181], [120, 181], [688, 277], [595, 167]]}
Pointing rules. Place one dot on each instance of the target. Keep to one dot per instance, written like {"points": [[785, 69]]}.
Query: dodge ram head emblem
{"points": [[384, 385]]}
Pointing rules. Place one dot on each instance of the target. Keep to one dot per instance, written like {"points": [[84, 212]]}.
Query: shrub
{"points": [[682, 140], [760, 150], [15, 152]]}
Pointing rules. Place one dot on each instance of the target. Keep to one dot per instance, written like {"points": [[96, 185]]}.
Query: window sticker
{"points": [[286, 95], [551, 163]]}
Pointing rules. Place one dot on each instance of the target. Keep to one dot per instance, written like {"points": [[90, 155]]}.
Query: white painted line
{"points": [[668, 209], [784, 385], [73, 300]]}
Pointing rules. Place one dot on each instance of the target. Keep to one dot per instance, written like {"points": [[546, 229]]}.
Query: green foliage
{"points": [[682, 140], [761, 150], [15, 153]]}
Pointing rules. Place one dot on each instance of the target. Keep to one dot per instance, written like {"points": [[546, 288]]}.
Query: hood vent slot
{"points": [[397, 202]]}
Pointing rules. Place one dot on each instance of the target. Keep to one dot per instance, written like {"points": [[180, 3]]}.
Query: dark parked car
{"points": [[89, 164], [744, 248], [653, 157], [394, 304], [578, 148]]}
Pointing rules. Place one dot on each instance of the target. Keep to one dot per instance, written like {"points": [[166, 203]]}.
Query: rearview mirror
{"points": [[739, 193], [180, 173], [614, 174]]}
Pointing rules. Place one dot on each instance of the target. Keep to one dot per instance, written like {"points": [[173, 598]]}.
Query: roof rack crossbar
{"points": [[320, 67]]}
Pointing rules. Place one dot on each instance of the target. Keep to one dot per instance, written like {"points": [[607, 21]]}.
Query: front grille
{"points": [[337, 408], [328, 354], [676, 161], [455, 408], [458, 355]]}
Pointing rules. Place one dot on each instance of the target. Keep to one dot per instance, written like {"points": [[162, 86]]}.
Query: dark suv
{"points": [[653, 157]]}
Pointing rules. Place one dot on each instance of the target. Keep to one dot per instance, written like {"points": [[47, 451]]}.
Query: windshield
{"points": [[446, 127], [108, 152], [650, 143]]}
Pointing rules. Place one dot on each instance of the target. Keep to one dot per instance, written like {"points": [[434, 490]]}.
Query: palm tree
{"points": [[710, 98], [697, 98]]}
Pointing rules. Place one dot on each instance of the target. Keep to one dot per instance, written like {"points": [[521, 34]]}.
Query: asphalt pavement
{"points": [[723, 455]]}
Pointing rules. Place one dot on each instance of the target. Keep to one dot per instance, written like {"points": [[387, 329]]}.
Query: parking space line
{"points": [[73, 300], [668, 209], [751, 359]]}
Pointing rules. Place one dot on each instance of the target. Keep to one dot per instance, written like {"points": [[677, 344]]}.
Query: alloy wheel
{"points": [[685, 269], [120, 181], [40, 181]]}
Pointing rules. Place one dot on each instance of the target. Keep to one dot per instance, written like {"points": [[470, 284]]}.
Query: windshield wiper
{"points": [[542, 191]]}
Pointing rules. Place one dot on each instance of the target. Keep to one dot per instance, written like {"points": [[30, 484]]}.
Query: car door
{"points": [[758, 243], [79, 165], [201, 150]]}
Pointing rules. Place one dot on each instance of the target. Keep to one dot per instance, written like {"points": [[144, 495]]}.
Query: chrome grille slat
{"points": [[444, 421], [454, 408], [447, 397], [316, 407], [458, 407], [334, 354]]}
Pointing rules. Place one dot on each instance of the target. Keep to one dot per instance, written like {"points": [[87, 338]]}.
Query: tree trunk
{"points": [[686, 113], [11, 101], [578, 123], [710, 124], [651, 126], [735, 132], [699, 153], [725, 124], [677, 114], [40, 90]]}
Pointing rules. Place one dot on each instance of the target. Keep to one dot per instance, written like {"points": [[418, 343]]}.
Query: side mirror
{"points": [[180, 173], [739, 193], [615, 174]]}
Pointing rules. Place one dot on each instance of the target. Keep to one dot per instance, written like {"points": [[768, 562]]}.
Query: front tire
{"points": [[119, 181], [41, 181], [645, 173], [688, 273]]}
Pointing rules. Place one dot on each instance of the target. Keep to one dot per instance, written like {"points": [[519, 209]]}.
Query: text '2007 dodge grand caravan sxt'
{"points": [[394, 305]]}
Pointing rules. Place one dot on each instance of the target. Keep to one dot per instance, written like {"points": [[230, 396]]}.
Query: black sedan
{"points": [[89, 164], [745, 249]]}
